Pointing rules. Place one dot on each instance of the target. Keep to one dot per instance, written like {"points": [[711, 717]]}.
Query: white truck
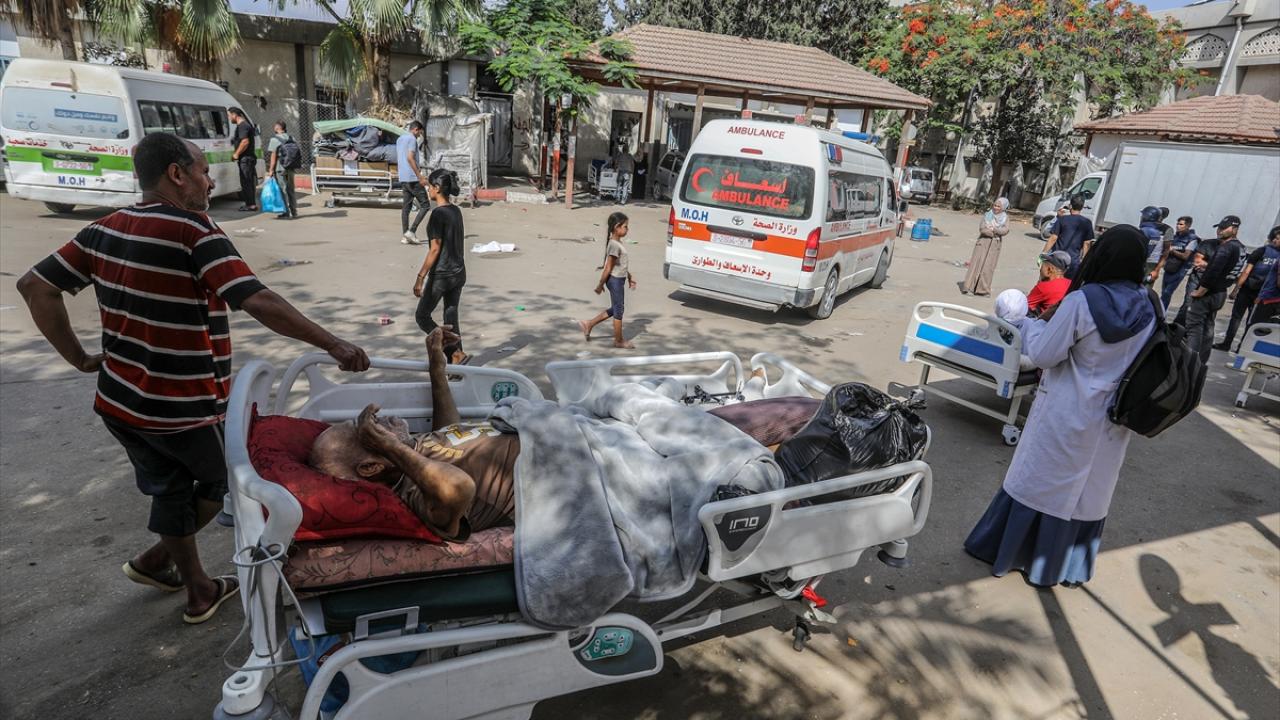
{"points": [[1204, 181]]}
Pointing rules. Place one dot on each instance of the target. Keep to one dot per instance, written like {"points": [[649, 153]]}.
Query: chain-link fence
{"points": [[329, 105]]}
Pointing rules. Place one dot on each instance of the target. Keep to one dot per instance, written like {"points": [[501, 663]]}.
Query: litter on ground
{"points": [[493, 247]]}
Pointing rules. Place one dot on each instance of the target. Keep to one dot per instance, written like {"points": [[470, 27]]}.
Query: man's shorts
{"points": [[174, 470]]}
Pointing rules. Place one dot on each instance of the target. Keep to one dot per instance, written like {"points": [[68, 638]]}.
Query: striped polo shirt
{"points": [[164, 279]]}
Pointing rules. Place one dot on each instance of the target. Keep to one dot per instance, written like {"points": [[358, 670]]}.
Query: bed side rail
{"points": [[575, 380], [255, 533], [966, 337], [754, 534], [476, 392], [1260, 345], [792, 381]]}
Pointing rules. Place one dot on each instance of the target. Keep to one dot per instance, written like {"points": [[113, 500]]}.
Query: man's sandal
{"points": [[168, 580], [226, 591]]}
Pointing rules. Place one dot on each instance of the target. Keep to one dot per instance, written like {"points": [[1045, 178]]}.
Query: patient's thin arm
{"points": [[444, 411]]}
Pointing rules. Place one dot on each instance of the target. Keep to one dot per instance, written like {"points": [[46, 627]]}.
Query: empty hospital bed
{"points": [[1259, 356], [975, 346], [466, 627]]}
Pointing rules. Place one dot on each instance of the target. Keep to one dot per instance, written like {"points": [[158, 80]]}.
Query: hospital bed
{"points": [[1259, 355], [488, 662], [975, 346]]}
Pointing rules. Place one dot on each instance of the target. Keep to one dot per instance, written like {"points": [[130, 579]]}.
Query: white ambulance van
{"points": [[69, 129], [770, 215]]}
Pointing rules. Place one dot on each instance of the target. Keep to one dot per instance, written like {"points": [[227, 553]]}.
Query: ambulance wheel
{"points": [[882, 271], [1012, 434], [60, 208], [823, 309]]}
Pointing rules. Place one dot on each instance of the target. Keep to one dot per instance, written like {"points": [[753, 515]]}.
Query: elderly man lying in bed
{"points": [[457, 478], [460, 477]]}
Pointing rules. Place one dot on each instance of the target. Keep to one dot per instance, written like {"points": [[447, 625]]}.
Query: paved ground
{"points": [[1182, 620]]}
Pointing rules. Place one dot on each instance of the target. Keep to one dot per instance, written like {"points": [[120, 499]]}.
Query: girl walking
{"points": [[443, 272], [616, 277], [986, 252], [1046, 520]]}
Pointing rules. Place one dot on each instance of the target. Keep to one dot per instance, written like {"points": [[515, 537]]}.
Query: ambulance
{"points": [[69, 129], [770, 215]]}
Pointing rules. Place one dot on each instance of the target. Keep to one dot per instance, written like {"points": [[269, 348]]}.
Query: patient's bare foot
{"points": [[585, 328], [624, 345]]}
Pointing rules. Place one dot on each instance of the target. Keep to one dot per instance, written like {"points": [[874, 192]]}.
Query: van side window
{"points": [[194, 122], [853, 196], [215, 121]]}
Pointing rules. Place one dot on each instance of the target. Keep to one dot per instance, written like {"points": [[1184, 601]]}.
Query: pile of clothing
{"points": [[363, 143]]}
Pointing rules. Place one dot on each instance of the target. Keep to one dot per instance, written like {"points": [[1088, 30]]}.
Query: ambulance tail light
{"points": [[671, 225], [811, 250]]}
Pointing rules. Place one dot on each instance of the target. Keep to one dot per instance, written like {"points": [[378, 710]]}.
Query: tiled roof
{"points": [[759, 65], [1250, 119]]}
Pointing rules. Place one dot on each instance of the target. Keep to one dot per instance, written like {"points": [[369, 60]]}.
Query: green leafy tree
{"points": [[587, 14], [534, 44], [197, 33], [1030, 61], [358, 49], [836, 26]]}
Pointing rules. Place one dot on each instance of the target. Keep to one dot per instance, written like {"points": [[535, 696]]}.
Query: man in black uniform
{"points": [[246, 158]]}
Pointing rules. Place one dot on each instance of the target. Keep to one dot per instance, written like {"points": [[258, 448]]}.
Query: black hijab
{"points": [[1119, 254], [1111, 279]]}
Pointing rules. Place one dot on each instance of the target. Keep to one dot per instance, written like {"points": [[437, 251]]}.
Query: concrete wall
{"points": [[262, 77]]}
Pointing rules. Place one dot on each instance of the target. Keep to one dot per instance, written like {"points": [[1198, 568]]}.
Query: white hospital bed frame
{"points": [[1259, 355], [454, 679], [968, 343]]}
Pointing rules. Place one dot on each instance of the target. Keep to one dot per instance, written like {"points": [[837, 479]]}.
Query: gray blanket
{"points": [[607, 506]]}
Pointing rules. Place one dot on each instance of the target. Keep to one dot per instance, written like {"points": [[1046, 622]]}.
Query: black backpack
{"points": [[1163, 384], [290, 155]]}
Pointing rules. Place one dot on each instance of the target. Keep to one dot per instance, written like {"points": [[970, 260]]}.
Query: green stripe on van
{"points": [[69, 162], [46, 157]]}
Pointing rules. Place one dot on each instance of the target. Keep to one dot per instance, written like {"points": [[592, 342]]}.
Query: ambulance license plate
{"points": [[732, 240]]}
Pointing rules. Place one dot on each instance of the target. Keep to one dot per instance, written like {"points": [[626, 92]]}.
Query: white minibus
{"points": [[770, 215], [69, 129]]}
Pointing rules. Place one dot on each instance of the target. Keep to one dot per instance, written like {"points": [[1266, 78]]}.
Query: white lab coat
{"points": [[1070, 454]]}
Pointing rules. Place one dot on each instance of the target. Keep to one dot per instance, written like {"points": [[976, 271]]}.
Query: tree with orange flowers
{"points": [[1026, 62]]}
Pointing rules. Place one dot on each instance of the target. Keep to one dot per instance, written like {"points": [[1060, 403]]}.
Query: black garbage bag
{"points": [[857, 428]]}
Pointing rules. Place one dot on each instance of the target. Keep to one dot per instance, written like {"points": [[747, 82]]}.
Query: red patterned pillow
{"points": [[332, 508]]}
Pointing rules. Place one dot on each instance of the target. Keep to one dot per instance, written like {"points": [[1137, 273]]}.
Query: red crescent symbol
{"points": [[696, 175]]}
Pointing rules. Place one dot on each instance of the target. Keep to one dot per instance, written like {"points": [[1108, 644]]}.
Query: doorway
{"points": [[499, 128]]}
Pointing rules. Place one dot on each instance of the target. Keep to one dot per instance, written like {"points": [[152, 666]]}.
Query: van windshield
{"points": [[765, 187], [922, 175], [59, 112]]}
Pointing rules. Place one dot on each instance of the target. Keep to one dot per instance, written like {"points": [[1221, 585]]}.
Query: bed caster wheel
{"points": [[1241, 399], [800, 635], [897, 563], [1012, 434]]}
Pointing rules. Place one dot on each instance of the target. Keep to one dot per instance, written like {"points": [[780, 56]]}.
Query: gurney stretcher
{"points": [[975, 346], [1259, 355], [486, 662]]}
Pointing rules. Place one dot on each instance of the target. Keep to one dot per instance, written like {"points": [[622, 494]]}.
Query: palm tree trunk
{"points": [[381, 90], [67, 39]]}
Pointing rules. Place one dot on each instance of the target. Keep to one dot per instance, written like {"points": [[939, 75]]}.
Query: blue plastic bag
{"points": [[270, 198]]}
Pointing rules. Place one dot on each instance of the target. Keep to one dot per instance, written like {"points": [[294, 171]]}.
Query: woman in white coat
{"points": [[1046, 520]]}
